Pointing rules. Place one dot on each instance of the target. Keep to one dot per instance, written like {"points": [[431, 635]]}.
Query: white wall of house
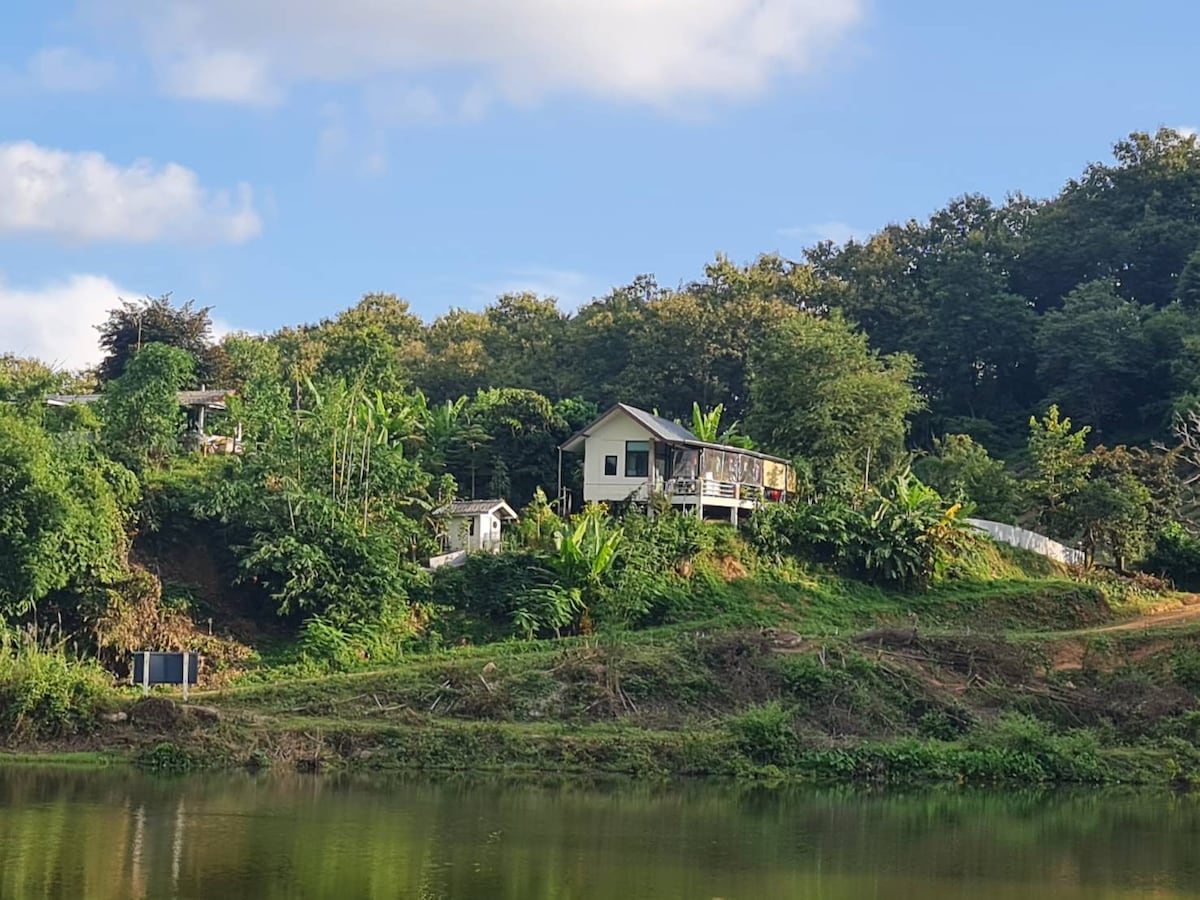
{"points": [[609, 440], [478, 532]]}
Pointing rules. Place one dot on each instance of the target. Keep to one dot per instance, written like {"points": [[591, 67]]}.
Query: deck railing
{"points": [[726, 490]]}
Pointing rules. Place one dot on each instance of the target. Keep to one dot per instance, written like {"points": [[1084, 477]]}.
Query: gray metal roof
{"points": [[662, 429], [208, 399], [477, 508]]}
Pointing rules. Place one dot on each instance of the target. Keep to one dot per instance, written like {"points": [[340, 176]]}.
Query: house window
{"points": [[610, 465], [637, 459], [471, 527]]}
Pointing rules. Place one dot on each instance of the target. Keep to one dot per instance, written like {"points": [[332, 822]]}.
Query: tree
{"points": [[821, 393], [140, 412], [962, 471], [1129, 497], [1060, 466], [1093, 356], [524, 431], [64, 512], [134, 325]]}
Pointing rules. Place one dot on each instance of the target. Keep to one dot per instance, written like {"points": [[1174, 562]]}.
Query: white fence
{"points": [[1030, 540]]}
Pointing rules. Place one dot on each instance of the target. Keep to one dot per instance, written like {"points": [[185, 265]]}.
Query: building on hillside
{"points": [[473, 525], [197, 403], [632, 455]]}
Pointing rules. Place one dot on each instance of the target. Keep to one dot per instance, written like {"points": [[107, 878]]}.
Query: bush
{"points": [[481, 598], [902, 535], [1176, 555], [44, 693], [765, 734]]}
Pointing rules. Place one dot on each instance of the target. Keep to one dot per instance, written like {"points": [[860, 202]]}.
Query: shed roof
{"points": [[477, 508], [208, 399], [661, 429]]}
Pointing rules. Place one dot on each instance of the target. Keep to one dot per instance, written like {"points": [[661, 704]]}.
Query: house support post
{"points": [[700, 484]]}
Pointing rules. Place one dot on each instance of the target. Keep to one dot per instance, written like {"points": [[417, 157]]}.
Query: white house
{"points": [[630, 454], [473, 525]]}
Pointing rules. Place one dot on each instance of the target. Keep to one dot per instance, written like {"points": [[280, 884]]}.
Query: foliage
{"points": [[63, 515], [1060, 467], [820, 392], [1176, 555], [44, 692], [133, 326], [962, 471], [324, 517], [902, 534], [766, 734], [140, 411]]}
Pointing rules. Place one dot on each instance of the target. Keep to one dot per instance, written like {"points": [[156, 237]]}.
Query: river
{"points": [[116, 833]]}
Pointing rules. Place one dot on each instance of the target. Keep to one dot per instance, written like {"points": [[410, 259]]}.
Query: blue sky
{"points": [[278, 158]]}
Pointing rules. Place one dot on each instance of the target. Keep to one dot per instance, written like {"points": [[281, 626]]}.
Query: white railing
{"points": [[1030, 540], [708, 487]]}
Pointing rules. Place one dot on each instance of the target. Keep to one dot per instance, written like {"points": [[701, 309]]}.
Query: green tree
{"points": [[1094, 356], [140, 412], [524, 431], [962, 471], [155, 320], [821, 393], [64, 513], [1060, 469]]}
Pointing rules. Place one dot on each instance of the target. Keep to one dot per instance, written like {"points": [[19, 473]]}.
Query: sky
{"points": [[277, 159]]}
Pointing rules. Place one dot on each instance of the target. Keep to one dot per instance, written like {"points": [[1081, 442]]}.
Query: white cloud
{"points": [[228, 75], [56, 322], [838, 232], [660, 52], [83, 196], [68, 70], [1186, 130]]}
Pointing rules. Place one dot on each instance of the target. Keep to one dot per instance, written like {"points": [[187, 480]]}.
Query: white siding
{"points": [[609, 440], [486, 536]]}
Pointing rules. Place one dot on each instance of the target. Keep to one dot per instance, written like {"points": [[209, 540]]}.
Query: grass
{"points": [[789, 674]]}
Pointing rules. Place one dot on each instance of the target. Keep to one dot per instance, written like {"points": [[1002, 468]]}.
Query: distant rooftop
{"points": [[207, 399]]}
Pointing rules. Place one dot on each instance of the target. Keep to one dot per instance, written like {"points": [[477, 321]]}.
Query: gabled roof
{"points": [[477, 508], [660, 428]]}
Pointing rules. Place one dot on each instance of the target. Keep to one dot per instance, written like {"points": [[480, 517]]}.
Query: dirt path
{"points": [[1189, 612]]}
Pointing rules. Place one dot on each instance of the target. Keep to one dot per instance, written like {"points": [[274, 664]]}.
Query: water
{"points": [[117, 834]]}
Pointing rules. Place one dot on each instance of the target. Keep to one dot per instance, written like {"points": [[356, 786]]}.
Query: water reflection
{"points": [[118, 834]]}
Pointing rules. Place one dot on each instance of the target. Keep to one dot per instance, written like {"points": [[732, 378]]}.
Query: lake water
{"points": [[119, 834]]}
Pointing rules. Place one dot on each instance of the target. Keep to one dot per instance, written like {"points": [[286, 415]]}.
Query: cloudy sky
{"points": [[278, 158]]}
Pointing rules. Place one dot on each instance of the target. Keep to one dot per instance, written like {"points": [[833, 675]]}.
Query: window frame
{"points": [[610, 471], [642, 454]]}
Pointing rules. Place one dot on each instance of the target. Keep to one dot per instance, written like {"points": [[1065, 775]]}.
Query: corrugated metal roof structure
{"points": [[207, 399], [477, 508]]}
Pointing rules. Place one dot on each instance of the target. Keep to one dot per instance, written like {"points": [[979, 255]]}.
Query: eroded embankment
{"points": [[1076, 696]]}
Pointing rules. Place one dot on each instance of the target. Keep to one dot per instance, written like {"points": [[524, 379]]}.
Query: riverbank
{"points": [[1038, 682]]}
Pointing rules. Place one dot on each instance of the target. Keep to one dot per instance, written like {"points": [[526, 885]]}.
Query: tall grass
{"points": [[45, 692]]}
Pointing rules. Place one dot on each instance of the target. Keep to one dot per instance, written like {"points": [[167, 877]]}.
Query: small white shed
{"points": [[472, 525]]}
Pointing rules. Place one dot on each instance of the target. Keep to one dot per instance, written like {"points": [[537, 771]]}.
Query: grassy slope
{"points": [[1026, 676]]}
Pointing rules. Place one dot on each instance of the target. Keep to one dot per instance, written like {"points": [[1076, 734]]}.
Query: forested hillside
{"points": [[1033, 361]]}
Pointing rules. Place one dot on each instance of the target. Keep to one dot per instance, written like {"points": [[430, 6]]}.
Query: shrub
{"points": [[765, 733], [1176, 555], [902, 535], [45, 693]]}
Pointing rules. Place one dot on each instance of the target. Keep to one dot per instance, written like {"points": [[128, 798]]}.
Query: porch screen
{"points": [[683, 462]]}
